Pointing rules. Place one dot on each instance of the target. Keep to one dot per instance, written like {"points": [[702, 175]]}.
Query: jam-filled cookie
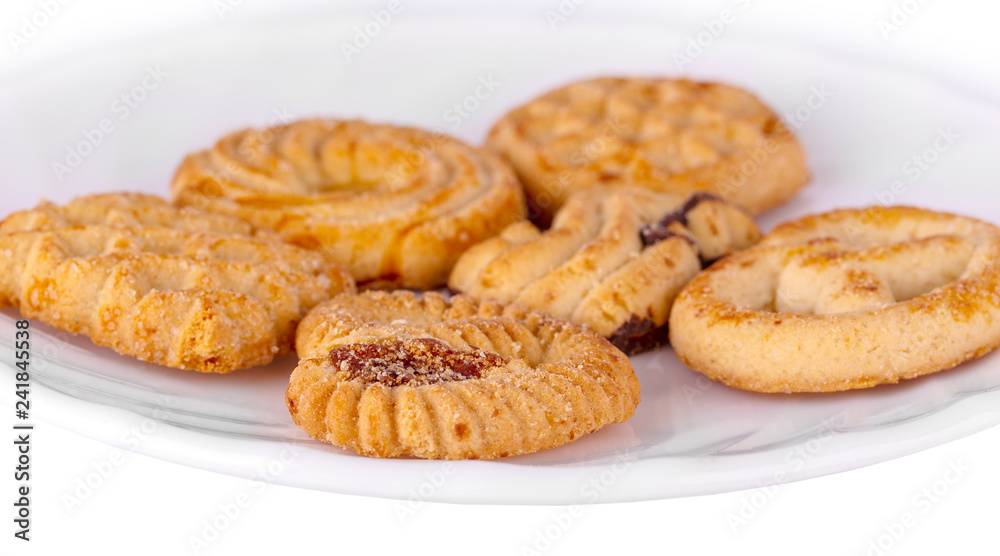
{"points": [[613, 260], [394, 374]]}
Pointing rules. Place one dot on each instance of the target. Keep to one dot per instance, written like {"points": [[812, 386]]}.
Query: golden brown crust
{"points": [[394, 205], [613, 260], [171, 286], [542, 382], [669, 135], [122, 209], [842, 300]]}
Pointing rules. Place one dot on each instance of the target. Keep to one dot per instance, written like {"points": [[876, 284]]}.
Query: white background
{"points": [[146, 506]]}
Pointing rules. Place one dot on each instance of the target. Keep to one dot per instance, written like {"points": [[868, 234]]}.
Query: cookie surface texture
{"points": [[847, 299], [613, 260], [669, 135], [168, 285], [396, 206], [390, 374]]}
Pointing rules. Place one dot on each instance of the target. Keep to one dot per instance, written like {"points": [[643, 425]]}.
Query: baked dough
{"points": [[121, 209], [842, 300], [396, 206], [394, 374], [613, 259], [669, 135], [167, 285]]}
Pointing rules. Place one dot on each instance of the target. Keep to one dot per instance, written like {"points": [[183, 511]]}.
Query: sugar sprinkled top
{"points": [[411, 362]]}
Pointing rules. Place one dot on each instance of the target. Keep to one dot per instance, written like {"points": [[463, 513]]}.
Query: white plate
{"points": [[861, 123]]}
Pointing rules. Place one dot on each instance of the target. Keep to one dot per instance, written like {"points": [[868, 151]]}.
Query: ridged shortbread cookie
{"points": [[394, 374], [842, 300], [613, 260], [173, 286], [669, 135], [122, 209], [396, 206]]}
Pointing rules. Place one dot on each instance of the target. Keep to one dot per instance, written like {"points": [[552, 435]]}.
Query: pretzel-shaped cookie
{"points": [[669, 135], [171, 286], [394, 205], [391, 374], [842, 300], [613, 260]]}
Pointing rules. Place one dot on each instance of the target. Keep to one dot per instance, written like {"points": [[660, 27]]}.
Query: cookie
{"points": [[396, 206], [613, 259], [393, 374], [843, 300], [172, 286], [670, 135], [121, 209]]}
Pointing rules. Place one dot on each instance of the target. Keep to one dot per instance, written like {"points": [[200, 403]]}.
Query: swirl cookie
{"points": [[613, 260], [842, 300], [393, 374], [172, 286], [395, 206], [669, 135]]}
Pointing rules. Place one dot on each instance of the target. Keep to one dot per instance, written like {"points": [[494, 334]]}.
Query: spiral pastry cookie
{"points": [[669, 135], [172, 286], [613, 260], [391, 374], [395, 206], [847, 299]]}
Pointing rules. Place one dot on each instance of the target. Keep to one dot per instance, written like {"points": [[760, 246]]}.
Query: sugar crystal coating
{"points": [[412, 362]]}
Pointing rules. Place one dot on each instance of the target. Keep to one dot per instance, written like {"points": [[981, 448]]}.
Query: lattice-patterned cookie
{"points": [[613, 259], [846, 299], [171, 286], [669, 135], [396, 206], [393, 374]]}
